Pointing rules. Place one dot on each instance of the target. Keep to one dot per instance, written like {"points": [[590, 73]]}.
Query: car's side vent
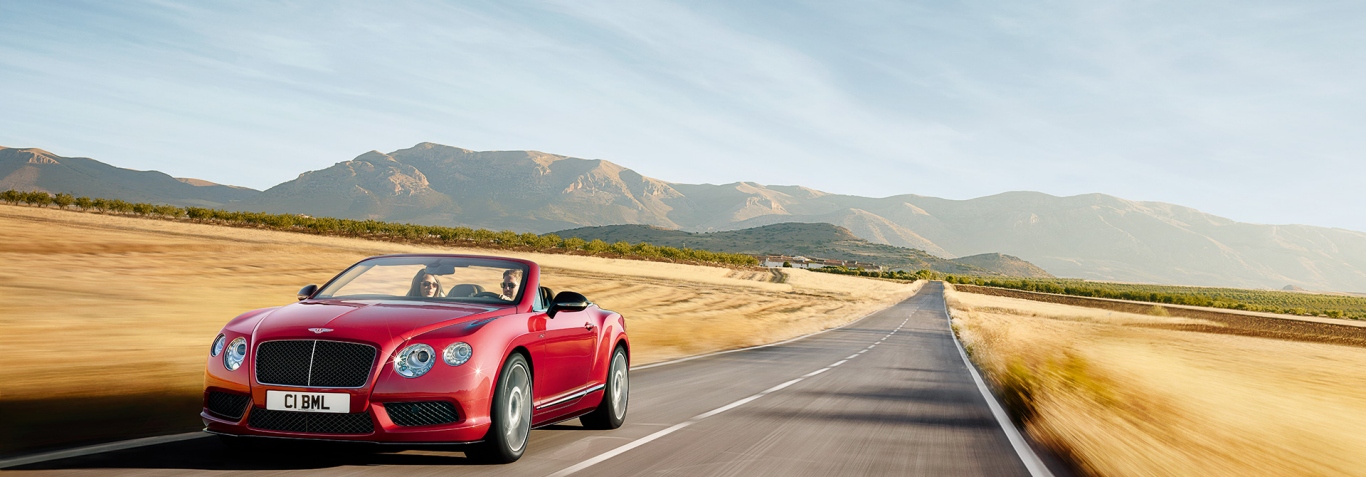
{"points": [[225, 405], [428, 413]]}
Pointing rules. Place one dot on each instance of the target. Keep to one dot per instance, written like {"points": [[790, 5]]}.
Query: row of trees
{"points": [[1270, 301], [923, 274], [374, 229], [1334, 306]]}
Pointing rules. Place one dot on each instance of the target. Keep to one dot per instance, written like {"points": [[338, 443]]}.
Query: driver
{"points": [[426, 285], [509, 286]]}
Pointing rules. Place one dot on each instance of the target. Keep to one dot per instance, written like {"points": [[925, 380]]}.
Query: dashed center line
{"points": [[671, 429], [818, 371]]}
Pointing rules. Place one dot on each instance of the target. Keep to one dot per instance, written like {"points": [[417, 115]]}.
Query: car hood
{"points": [[375, 321]]}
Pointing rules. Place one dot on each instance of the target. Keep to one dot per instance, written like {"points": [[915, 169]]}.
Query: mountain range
{"points": [[36, 169], [812, 240], [1093, 236]]}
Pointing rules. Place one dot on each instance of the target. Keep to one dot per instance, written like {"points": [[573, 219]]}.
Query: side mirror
{"points": [[307, 291], [567, 301]]}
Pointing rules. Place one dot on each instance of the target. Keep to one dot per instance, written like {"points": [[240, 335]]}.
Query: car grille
{"points": [[311, 422], [314, 363], [225, 405], [428, 413]]}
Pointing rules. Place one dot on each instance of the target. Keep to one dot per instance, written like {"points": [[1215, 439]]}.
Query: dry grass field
{"points": [[1121, 396], [108, 319]]}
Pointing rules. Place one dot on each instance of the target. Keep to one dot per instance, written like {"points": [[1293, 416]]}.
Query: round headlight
{"points": [[235, 354], [458, 353], [218, 344], [415, 360]]}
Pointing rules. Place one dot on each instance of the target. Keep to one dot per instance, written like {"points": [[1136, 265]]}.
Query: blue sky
{"points": [[1247, 110]]}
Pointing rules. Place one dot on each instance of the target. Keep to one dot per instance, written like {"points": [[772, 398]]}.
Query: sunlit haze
{"points": [[1246, 110]]}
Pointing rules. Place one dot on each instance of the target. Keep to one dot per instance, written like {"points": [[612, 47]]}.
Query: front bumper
{"points": [[239, 409], [373, 424]]}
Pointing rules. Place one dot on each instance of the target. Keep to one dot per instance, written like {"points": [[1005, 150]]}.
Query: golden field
{"points": [[1121, 395], [99, 311]]}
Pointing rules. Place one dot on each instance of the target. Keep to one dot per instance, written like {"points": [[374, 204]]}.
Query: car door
{"points": [[570, 338]]}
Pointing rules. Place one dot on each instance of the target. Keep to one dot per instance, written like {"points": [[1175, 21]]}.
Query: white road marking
{"points": [[669, 430], [618, 451], [717, 353], [99, 448], [852, 356], [727, 407], [661, 433], [1027, 457], [863, 351], [783, 385]]}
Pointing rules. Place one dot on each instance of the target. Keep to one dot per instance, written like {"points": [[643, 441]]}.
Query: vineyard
{"points": [[391, 231], [1333, 306]]}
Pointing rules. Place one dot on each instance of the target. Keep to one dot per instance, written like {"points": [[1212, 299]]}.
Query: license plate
{"points": [[308, 402]]}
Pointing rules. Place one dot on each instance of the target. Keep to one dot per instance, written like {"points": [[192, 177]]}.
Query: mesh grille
{"points": [[428, 413], [335, 364], [341, 365], [284, 362], [226, 405], [311, 422]]}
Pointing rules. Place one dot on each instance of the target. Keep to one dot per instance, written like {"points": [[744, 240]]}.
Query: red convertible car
{"points": [[420, 349]]}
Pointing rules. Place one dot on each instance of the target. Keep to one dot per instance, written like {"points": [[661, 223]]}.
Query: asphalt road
{"points": [[888, 395]]}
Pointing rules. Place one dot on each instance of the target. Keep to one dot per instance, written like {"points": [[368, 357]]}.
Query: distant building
{"points": [[771, 261], [774, 261]]}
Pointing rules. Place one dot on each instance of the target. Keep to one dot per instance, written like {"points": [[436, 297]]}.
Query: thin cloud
{"points": [[1244, 110]]}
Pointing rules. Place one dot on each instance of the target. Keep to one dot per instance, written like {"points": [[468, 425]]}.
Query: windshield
{"points": [[430, 279]]}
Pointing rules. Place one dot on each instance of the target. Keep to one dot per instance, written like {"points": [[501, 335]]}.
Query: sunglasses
{"points": [[429, 285], [509, 285]]}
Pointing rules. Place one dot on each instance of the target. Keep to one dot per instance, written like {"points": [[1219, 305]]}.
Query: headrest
{"points": [[465, 290]]}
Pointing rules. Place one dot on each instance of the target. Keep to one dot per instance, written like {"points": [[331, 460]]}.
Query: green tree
{"points": [[38, 198], [63, 200], [12, 196], [575, 243], [552, 241], [645, 249], [506, 238], [168, 211], [596, 246]]}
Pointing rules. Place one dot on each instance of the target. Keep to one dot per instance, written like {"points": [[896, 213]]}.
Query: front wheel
{"points": [[612, 412], [510, 415]]}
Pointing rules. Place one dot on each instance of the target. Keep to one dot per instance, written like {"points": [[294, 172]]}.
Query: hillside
{"points": [[442, 185], [811, 240], [1091, 236], [36, 169]]}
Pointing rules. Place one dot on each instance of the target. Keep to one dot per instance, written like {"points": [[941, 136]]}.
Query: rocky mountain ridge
{"points": [[812, 240], [1093, 236], [36, 169]]}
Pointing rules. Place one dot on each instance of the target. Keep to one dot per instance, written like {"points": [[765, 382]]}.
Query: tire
{"points": [[510, 414], [612, 411]]}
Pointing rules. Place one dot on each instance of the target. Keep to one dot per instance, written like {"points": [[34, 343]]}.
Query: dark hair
{"points": [[416, 289]]}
